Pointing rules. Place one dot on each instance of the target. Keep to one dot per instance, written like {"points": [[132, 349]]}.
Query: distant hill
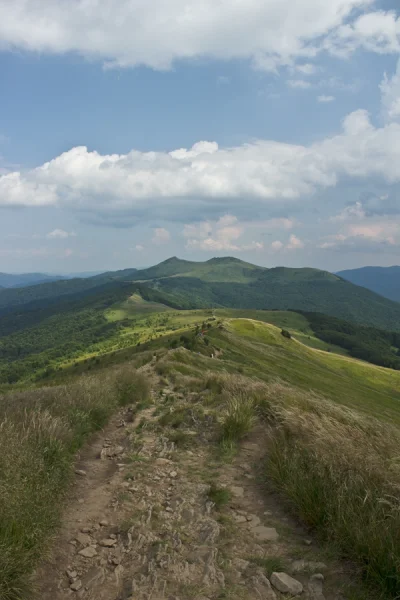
{"points": [[9, 280], [382, 280], [232, 283], [226, 269], [19, 296], [225, 283]]}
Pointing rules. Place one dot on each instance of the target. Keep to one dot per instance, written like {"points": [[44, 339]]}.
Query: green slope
{"points": [[285, 289]]}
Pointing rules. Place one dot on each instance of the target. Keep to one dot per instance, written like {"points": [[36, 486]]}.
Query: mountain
{"points": [[382, 280], [229, 282], [225, 283], [8, 280], [226, 269]]}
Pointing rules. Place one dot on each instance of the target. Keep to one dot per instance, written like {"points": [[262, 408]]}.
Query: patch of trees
{"points": [[373, 345]]}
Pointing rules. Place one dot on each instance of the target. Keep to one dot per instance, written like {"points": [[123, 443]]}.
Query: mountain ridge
{"points": [[382, 280]]}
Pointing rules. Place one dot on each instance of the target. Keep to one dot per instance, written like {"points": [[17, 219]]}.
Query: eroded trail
{"points": [[143, 524]]}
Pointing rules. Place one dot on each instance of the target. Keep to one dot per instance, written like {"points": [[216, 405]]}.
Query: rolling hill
{"points": [[226, 282], [382, 280], [232, 283]]}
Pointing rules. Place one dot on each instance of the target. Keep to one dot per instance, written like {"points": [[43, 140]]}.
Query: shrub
{"points": [[286, 334], [219, 495]]}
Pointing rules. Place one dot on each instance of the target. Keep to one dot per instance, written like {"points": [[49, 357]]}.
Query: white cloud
{"points": [[161, 236], [140, 184], [60, 234], [377, 31], [220, 235], [306, 69], [355, 211], [325, 99], [276, 246], [390, 90], [298, 84], [126, 32], [139, 247], [294, 243]]}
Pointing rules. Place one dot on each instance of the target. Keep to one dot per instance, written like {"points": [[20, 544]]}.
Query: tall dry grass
{"points": [[40, 432], [338, 470]]}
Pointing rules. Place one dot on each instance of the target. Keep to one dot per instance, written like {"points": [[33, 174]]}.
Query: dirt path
{"points": [[142, 524]]}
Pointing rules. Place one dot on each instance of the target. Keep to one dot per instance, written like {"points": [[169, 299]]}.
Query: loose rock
{"points": [[80, 472], [107, 543], [237, 491], [265, 534], [286, 584], [76, 586], [88, 552], [315, 587]]}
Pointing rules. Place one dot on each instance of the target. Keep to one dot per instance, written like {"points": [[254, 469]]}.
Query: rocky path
{"points": [[149, 521]]}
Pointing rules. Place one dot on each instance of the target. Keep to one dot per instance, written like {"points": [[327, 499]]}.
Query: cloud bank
{"points": [[156, 33]]}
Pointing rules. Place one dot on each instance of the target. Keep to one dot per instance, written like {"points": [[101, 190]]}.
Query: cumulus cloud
{"points": [[377, 31], [126, 33], [220, 235], [325, 99], [60, 234], [270, 174], [294, 243], [276, 246], [161, 236]]}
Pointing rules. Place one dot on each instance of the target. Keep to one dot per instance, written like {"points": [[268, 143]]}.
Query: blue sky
{"points": [[134, 130]]}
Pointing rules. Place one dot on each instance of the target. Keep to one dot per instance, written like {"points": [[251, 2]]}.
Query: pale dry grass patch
{"points": [[40, 432]]}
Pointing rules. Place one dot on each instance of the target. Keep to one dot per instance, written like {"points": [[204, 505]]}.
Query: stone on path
{"points": [[300, 566], [262, 587], [265, 534], [237, 491], [315, 587], [76, 586], [108, 542], [286, 584], [80, 472], [88, 552]]}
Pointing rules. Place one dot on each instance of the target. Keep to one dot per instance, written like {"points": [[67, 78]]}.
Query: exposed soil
{"points": [[140, 524]]}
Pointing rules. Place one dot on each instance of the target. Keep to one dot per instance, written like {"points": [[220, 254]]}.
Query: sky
{"points": [[136, 130]]}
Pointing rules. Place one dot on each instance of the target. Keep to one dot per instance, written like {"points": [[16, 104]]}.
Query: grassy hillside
{"points": [[335, 413], [285, 289], [382, 280]]}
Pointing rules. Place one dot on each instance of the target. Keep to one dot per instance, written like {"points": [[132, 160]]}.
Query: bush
{"points": [[286, 334], [220, 496]]}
